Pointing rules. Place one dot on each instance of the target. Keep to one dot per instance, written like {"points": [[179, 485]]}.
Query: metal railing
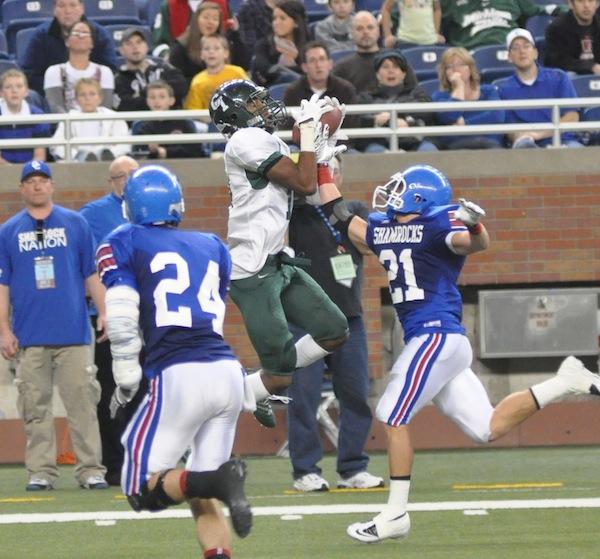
{"points": [[392, 132]]}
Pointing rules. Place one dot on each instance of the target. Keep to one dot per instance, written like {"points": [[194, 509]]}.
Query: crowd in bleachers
{"points": [[366, 51]]}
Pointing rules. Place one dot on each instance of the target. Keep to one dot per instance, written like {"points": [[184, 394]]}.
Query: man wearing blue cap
{"points": [[46, 264]]}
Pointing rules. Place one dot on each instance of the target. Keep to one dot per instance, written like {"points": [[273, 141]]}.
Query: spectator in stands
{"points": [[336, 29], [358, 68], [13, 85], [60, 79], [47, 262], [573, 39], [160, 97], [103, 215], [420, 23], [48, 44], [531, 81], [89, 98], [186, 53], [138, 71], [317, 78], [476, 23], [215, 53], [391, 70], [174, 17], [254, 17], [278, 54], [460, 81]]}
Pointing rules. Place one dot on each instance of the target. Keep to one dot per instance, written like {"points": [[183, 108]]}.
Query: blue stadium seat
{"points": [[149, 13], [430, 86], [339, 54], [7, 65], [19, 14], [278, 90], [536, 25], [316, 9], [22, 42], [587, 86], [116, 31], [234, 6], [3, 46], [492, 62], [34, 98], [373, 6], [424, 60], [591, 138], [111, 12]]}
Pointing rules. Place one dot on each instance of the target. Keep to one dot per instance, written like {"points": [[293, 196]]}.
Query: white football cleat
{"points": [[578, 379], [361, 480], [380, 529], [311, 482]]}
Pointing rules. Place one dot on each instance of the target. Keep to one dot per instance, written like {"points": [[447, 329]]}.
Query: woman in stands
{"points": [[185, 52], [278, 55], [460, 81]]}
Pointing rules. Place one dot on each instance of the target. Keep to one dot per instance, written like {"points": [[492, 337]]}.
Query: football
{"points": [[332, 118]]}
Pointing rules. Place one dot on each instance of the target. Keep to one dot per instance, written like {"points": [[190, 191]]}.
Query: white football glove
{"points": [[312, 110], [335, 104], [469, 212], [120, 398], [325, 148]]}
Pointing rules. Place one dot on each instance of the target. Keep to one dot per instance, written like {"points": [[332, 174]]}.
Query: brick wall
{"points": [[543, 218]]}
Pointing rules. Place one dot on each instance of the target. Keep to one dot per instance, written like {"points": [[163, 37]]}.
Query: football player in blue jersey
{"points": [[422, 240], [171, 285]]}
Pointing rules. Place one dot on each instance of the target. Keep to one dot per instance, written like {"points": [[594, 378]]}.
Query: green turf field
{"points": [[523, 503]]}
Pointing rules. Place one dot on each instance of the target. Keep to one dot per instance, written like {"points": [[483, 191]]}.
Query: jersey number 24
{"points": [[208, 295]]}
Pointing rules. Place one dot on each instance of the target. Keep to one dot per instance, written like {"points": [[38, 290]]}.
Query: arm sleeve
{"points": [[240, 55], [193, 100], [160, 27], [262, 61], [491, 116], [446, 117], [254, 149], [34, 62], [176, 79]]}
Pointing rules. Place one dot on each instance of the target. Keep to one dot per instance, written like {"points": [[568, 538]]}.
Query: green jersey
{"points": [[476, 23]]}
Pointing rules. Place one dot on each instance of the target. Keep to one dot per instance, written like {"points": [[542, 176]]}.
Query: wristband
{"points": [[476, 229], [307, 136], [324, 175]]}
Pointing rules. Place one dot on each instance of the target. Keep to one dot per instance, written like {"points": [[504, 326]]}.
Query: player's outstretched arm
{"points": [[476, 238]]}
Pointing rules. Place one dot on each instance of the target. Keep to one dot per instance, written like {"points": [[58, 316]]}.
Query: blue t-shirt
{"points": [[55, 316], [182, 278], [20, 132], [489, 116], [422, 270], [103, 215], [551, 83]]}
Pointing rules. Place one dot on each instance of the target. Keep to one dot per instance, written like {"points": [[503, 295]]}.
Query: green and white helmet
{"points": [[243, 104]]}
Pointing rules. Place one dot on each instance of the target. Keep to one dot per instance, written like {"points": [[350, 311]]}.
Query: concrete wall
{"points": [[543, 213]]}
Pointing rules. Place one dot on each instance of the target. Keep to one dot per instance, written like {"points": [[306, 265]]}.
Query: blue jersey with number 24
{"points": [[422, 271], [182, 279]]}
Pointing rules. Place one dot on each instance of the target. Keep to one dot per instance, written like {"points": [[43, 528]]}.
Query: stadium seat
{"points": [[316, 9], [591, 138], [234, 6], [22, 42], [339, 54], [587, 86], [430, 86], [116, 31], [112, 12], [34, 98], [536, 25], [424, 60], [3, 46], [149, 13], [492, 62], [373, 6], [7, 65], [18, 14], [278, 90]]}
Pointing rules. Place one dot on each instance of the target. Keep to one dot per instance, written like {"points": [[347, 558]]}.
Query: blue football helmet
{"points": [[152, 195], [413, 191]]}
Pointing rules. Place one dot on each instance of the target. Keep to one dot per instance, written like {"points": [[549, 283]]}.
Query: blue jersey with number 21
{"points": [[422, 271], [182, 279]]}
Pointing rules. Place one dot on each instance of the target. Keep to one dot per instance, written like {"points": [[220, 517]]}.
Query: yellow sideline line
{"points": [[337, 490], [26, 499], [526, 485]]}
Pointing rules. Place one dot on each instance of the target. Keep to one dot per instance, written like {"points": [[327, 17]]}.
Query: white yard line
{"points": [[513, 504]]}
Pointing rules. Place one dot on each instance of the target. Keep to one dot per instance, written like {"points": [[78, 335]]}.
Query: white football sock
{"points": [[256, 386], [308, 351], [397, 499]]}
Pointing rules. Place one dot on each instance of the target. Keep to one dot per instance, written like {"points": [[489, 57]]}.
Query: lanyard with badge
{"points": [[342, 265], [44, 264]]}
